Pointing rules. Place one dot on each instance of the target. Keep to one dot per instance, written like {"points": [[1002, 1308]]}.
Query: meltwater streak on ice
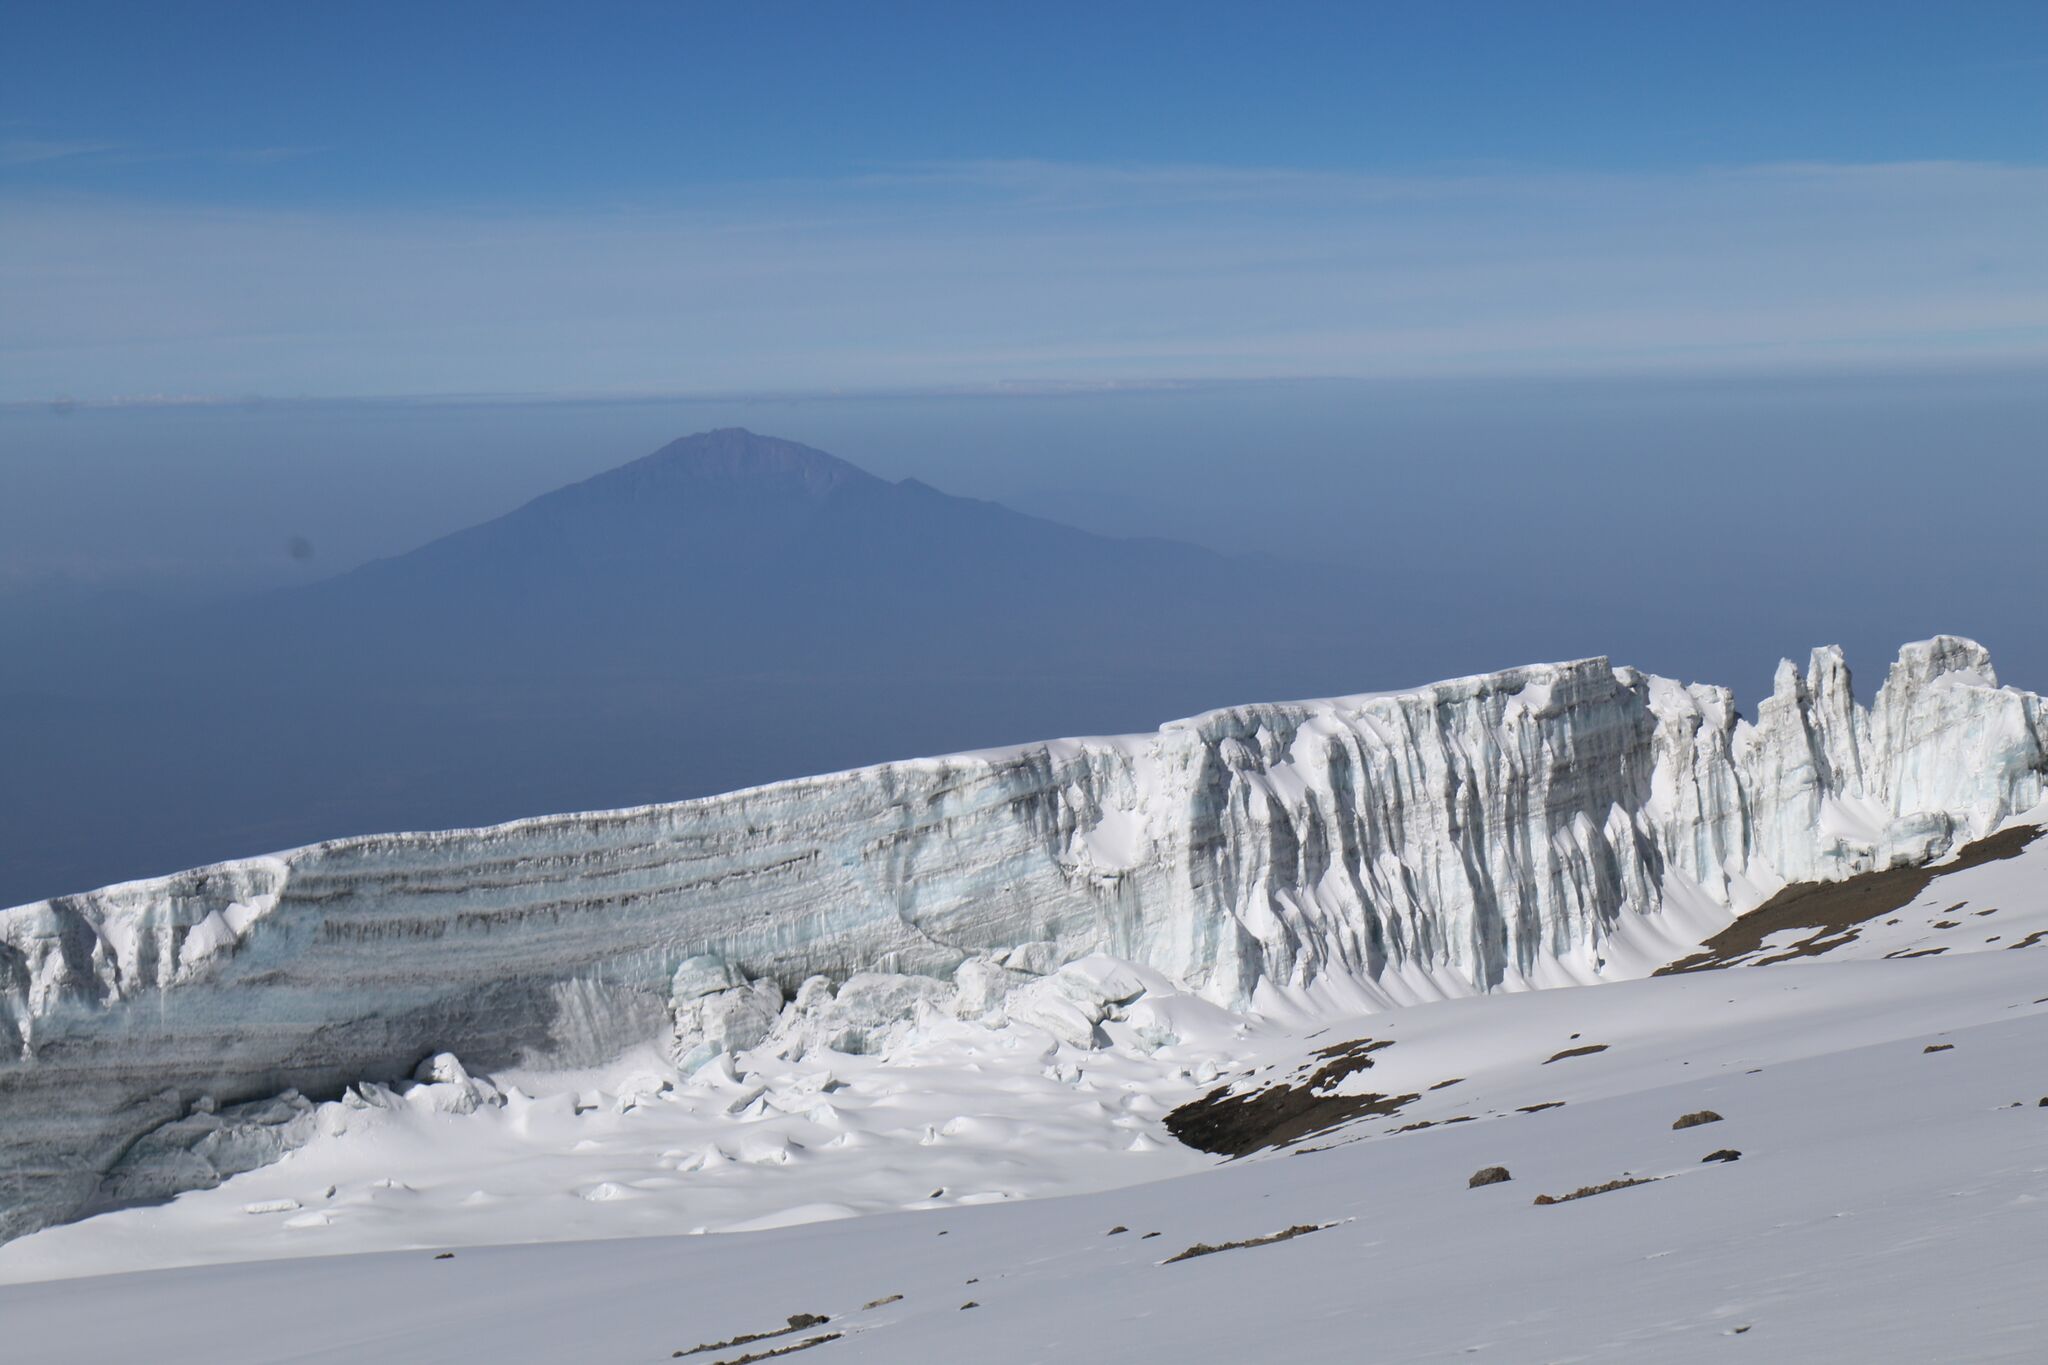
{"points": [[1539, 826]]}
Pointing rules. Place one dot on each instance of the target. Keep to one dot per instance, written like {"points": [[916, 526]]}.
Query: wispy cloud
{"points": [[26, 151], [29, 151], [969, 275]]}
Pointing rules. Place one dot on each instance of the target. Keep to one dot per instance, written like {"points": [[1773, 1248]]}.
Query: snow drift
{"points": [[1539, 826]]}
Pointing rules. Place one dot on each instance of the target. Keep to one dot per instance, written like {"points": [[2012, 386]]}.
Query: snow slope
{"points": [[1888, 1204], [1548, 825]]}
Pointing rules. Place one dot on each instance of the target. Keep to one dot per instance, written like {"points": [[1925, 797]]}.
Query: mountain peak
{"points": [[733, 457]]}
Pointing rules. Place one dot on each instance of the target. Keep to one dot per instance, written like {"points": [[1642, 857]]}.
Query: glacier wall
{"points": [[1484, 833]]}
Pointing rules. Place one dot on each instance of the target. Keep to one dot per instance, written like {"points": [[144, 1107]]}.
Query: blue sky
{"points": [[211, 202], [553, 106]]}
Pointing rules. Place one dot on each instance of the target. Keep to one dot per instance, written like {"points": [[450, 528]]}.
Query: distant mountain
{"points": [[733, 551], [729, 610]]}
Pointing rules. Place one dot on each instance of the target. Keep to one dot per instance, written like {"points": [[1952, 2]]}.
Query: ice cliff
{"points": [[1538, 826]]}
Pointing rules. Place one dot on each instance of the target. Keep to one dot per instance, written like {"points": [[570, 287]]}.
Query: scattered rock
{"points": [[1586, 1051], [969, 1304], [878, 1303], [1725, 1154], [1148, 1236], [445, 1256], [1488, 1175], [797, 1323], [1121, 1228], [1204, 1249], [1442, 1084], [804, 1345], [1586, 1191], [1539, 1108], [1695, 1119], [1938, 1047]]}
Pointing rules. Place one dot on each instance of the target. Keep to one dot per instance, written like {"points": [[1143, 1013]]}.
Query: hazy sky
{"points": [[1593, 304], [209, 202]]}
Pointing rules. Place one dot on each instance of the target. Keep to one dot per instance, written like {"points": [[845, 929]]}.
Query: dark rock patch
{"points": [[1938, 1047], [1584, 1050], [1488, 1175], [1282, 1113], [1695, 1119], [1725, 1154]]}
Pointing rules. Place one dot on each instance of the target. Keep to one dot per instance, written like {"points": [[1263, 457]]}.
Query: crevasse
{"points": [[1540, 826]]}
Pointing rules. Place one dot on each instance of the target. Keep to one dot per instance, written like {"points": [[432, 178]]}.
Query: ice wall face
{"points": [[1486, 832]]}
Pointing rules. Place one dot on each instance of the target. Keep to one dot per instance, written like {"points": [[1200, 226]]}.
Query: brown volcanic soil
{"points": [[1831, 912]]}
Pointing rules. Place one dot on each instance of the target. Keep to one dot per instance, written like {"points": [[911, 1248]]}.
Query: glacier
{"points": [[1548, 825]]}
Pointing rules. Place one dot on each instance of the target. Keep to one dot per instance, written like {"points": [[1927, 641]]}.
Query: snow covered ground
{"points": [[1889, 1105]]}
